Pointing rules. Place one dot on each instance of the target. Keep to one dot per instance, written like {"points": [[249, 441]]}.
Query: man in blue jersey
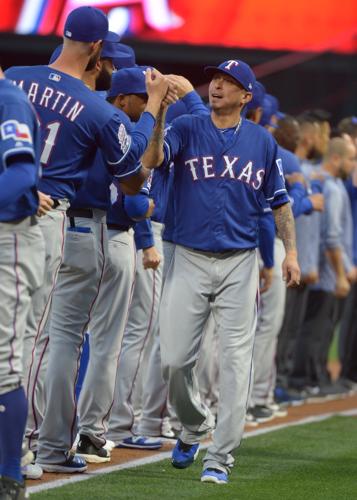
{"points": [[22, 259], [222, 165], [75, 123]]}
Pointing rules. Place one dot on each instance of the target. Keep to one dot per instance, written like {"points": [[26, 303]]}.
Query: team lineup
{"points": [[203, 254]]}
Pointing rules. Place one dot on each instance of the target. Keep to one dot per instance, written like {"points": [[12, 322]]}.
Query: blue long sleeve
{"points": [[136, 205], [15, 181], [266, 229], [300, 202], [143, 234], [194, 104]]}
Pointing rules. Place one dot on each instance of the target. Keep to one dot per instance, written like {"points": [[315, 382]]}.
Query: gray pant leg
{"points": [[143, 316], [106, 333], [235, 310], [270, 318], [76, 291], [155, 392], [22, 258], [230, 280], [35, 359], [207, 365]]}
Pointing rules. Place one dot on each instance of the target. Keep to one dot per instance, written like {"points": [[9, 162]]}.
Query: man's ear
{"points": [[248, 96]]}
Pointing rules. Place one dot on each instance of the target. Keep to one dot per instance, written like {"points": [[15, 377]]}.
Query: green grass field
{"points": [[310, 462]]}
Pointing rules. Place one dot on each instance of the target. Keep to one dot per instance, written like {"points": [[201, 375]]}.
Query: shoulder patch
{"points": [[124, 138], [12, 129]]}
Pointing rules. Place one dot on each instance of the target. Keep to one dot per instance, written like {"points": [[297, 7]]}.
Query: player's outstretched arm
{"points": [[284, 221], [154, 154]]}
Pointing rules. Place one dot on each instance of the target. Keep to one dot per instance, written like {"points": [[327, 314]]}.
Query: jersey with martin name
{"points": [[218, 182], [19, 139], [74, 123]]}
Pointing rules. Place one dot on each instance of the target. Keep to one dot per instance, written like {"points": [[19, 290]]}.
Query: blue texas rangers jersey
{"points": [[19, 140], [74, 123], [218, 182]]}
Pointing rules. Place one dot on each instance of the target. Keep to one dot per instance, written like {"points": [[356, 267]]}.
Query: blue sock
{"points": [[13, 415]]}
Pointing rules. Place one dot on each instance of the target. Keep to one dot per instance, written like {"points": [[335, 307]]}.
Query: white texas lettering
{"points": [[260, 177], [229, 166], [208, 167], [191, 164], [246, 173]]}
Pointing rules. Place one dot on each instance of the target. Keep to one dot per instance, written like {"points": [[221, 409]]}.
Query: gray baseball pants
{"points": [[142, 322], [35, 356], [270, 318], [106, 327], [22, 260], [154, 395], [226, 283], [75, 294]]}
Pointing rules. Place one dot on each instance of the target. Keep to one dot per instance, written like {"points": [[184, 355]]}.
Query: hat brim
{"points": [[210, 71], [112, 37]]}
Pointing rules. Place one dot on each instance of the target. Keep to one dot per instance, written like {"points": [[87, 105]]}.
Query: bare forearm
{"points": [[154, 153], [335, 257], [284, 221], [133, 184]]}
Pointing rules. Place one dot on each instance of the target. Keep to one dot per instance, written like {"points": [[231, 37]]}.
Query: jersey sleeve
{"points": [[174, 140], [123, 145], [194, 104], [274, 183], [18, 131]]}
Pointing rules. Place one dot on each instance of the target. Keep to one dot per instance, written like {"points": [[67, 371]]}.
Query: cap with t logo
{"points": [[238, 70]]}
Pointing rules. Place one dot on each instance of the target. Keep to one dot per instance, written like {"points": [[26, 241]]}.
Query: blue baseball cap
{"points": [[270, 109], [86, 24], [238, 70], [258, 96], [128, 81], [127, 59]]}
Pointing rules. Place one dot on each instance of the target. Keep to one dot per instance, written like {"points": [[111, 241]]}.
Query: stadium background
{"points": [[304, 53]]}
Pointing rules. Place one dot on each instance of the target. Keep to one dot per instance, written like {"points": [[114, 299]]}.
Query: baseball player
{"points": [[223, 163], [110, 310], [143, 316], [67, 338], [22, 259], [110, 56], [73, 116]]}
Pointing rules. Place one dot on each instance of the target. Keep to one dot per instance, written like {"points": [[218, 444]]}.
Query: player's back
{"points": [[72, 119], [19, 139]]}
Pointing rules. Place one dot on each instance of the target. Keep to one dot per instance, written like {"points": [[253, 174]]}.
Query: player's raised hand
{"points": [[295, 177], [291, 270], [182, 85], [151, 258], [156, 84], [45, 203]]}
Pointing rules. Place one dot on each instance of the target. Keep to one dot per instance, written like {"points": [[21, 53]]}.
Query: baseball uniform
{"points": [[22, 258], [215, 267]]}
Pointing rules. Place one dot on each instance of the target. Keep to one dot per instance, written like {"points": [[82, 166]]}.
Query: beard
{"points": [[94, 58], [104, 79]]}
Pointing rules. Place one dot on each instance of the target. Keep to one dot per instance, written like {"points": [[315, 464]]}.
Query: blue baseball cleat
{"points": [[183, 455], [214, 476]]}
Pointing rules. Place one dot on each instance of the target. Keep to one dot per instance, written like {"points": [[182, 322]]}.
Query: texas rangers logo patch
{"points": [[124, 139], [12, 129]]}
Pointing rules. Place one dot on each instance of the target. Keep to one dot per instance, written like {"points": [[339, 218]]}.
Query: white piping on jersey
{"points": [[9, 152], [124, 155], [168, 149], [276, 192]]}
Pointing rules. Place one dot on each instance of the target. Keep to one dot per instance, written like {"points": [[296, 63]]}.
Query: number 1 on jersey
{"points": [[50, 141]]}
